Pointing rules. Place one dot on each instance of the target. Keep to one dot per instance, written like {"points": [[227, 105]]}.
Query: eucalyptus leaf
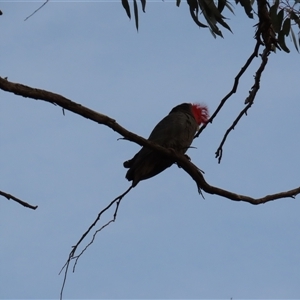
{"points": [[126, 7], [247, 7], [294, 39], [230, 7], [281, 42], [211, 8], [295, 18], [212, 23], [212, 15], [224, 24], [136, 14], [213, 34], [221, 5], [276, 3], [194, 9], [143, 2], [286, 26], [280, 18], [274, 17]]}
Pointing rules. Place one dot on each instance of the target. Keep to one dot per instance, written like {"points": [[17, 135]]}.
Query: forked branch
{"points": [[249, 101], [234, 87], [72, 254]]}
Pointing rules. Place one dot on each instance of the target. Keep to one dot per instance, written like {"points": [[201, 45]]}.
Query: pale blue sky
{"points": [[167, 241]]}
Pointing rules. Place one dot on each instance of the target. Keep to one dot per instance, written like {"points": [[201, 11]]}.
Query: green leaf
{"points": [[194, 9], [273, 16], [143, 5], [281, 42], [295, 18], [212, 23], [247, 7], [213, 34], [280, 18], [224, 24], [193, 4], [294, 39], [126, 7], [212, 15], [136, 14], [195, 18], [230, 7], [276, 18], [221, 5], [210, 8], [286, 26], [276, 3]]}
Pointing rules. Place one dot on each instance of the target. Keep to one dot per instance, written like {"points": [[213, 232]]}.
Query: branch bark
{"points": [[182, 161], [11, 197]]}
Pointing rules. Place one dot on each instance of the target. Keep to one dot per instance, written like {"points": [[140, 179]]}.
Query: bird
{"points": [[176, 131]]}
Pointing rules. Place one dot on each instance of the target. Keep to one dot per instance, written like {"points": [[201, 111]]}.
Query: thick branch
{"points": [[56, 99], [182, 161], [11, 197]]}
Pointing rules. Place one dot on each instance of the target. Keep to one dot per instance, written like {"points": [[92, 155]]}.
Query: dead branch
{"points": [[180, 159], [249, 101], [74, 248], [11, 197]]}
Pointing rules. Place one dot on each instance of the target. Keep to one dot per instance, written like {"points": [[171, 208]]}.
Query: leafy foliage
{"points": [[211, 13], [247, 7], [126, 6], [282, 15]]}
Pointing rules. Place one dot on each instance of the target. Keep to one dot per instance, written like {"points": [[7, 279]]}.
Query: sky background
{"points": [[167, 242]]}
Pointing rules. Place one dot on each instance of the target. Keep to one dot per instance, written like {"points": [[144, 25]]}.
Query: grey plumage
{"points": [[175, 131]]}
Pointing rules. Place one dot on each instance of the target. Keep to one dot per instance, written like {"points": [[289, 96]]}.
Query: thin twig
{"points": [[11, 197], [72, 253], [37, 10], [234, 87], [249, 101]]}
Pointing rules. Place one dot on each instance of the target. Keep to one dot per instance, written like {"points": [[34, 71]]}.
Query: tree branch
{"points": [[72, 254], [193, 171], [249, 101], [264, 35], [181, 160], [37, 10], [234, 87], [11, 197]]}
